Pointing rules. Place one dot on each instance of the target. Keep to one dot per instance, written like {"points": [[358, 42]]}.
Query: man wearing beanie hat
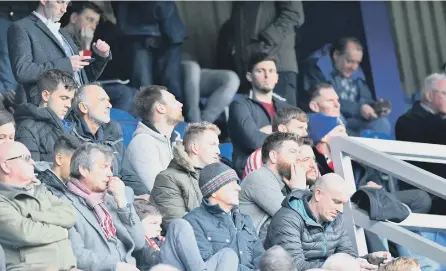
{"points": [[218, 224]]}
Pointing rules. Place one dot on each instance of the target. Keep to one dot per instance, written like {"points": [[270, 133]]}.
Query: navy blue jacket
{"points": [[319, 68], [246, 117], [215, 229]]}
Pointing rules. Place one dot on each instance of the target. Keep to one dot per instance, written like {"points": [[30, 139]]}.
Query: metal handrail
{"points": [[385, 156]]}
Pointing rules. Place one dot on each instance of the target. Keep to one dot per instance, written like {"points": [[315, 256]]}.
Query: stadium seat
{"points": [[180, 128], [226, 150], [127, 121], [374, 134]]}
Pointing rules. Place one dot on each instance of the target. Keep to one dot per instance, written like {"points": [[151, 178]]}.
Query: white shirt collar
{"points": [[52, 26]]}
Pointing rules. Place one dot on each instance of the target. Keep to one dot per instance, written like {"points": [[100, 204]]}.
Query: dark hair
{"points": [[50, 79], [285, 115], [276, 259], [144, 209], [146, 98], [80, 6], [340, 45], [66, 144], [258, 57], [274, 141], [315, 90], [6, 117]]}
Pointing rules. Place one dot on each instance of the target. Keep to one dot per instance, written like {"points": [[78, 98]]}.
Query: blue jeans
{"points": [[7, 80], [356, 125], [218, 86], [426, 263]]}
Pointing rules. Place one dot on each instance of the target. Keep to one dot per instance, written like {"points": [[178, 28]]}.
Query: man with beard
{"points": [[150, 150], [250, 117], [264, 190], [91, 123]]}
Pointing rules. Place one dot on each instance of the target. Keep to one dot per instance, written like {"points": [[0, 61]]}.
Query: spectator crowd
{"points": [[75, 196]]}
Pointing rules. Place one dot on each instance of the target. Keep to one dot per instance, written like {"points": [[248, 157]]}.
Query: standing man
{"points": [[268, 26], [37, 44]]}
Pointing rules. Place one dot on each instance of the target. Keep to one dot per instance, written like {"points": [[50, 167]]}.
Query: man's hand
{"points": [[117, 189], [368, 112], [78, 63], [365, 265], [380, 254], [101, 48], [298, 178], [268, 129], [125, 267], [87, 35], [373, 185]]}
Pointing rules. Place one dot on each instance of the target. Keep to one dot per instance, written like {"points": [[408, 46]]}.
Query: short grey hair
{"points": [[339, 261], [276, 259], [84, 156], [80, 97], [431, 80]]}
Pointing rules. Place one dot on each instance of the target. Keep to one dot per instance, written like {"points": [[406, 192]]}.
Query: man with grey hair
{"points": [[310, 225], [339, 261], [276, 259], [107, 229], [425, 122], [91, 123], [176, 190]]}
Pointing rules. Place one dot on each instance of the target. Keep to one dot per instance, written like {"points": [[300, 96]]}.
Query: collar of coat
{"points": [[181, 160], [12, 191]]}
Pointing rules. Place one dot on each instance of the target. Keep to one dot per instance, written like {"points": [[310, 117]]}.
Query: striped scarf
{"points": [[95, 201]]}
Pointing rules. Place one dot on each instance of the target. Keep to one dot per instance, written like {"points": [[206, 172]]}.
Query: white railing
{"points": [[387, 156]]}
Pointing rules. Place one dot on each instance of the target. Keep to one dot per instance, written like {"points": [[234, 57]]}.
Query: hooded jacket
{"points": [[38, 129], [148, 153], [176, 190], [309, 243]]}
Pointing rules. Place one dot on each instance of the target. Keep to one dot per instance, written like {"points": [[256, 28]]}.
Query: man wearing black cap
{"points": [[218, 223]]}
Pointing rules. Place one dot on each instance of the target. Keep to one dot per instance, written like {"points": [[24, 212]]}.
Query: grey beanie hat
{"points": [[214, 177]]}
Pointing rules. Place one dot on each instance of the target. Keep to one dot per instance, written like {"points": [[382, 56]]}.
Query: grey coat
{"points": [[90, 246], [33, 49], [309, 243]]}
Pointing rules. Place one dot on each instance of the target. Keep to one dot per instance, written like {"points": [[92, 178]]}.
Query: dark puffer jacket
{"points": [[215, 229], [38, 129], [294, 227], [109, 134], [176, 190]]}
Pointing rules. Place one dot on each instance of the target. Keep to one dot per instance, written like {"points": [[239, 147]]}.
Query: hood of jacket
{"points": [[298, 200], [110, 133], [29, 111], [181, 160]]}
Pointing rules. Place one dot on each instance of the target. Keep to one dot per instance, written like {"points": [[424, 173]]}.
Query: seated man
{"points": [[338, 64], [324, 99], [150, 150], [322, 128], [39, 127], [176, 190], [91, 122], [107, 229], [310, 225], [402, 264], [264, 190], [291, 120], [250, 117], [58, 175], [218, 223], [338, 262], [34, 224], [218, 86]]}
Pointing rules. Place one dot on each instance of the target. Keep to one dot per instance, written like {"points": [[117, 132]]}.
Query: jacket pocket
{"points": [[218, 240], [46, 255]]}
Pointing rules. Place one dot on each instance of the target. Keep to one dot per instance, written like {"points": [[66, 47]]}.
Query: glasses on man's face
{"points": [[24, 157]]}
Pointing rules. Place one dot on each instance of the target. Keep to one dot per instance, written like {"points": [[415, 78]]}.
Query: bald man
{"points": [[91, 123], [34, 224], [310, 226]]}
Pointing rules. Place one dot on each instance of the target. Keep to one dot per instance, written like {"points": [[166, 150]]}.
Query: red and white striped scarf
{"points": [[94, 201]]}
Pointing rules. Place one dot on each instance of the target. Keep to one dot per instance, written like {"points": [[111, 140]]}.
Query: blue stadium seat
{"points": [[180, 128], [127, 121], [226, 150]]}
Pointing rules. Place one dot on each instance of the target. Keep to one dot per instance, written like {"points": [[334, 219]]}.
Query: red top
{"points": [[270, 109]]}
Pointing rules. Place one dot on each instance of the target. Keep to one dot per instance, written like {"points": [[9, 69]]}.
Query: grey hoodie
{"points": [[148, 153]]}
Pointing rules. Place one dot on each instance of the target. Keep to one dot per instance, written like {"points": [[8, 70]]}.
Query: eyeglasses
{"points": [[24, 157]]}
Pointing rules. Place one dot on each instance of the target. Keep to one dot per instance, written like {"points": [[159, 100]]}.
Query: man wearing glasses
{"points": [[34, 223]]}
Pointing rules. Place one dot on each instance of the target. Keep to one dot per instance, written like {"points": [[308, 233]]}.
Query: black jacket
{"points": [[246, 117], [309, 243], [267, 26], [109, 134], [38, 129], [420, 125], [52, 183], [215, 229], [147, 257]]}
